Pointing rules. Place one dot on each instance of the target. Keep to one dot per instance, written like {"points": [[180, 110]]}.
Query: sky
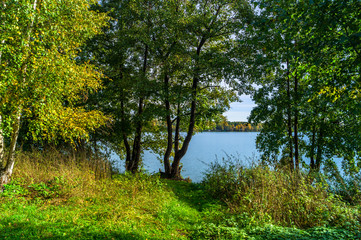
{"points": [[240, 111]]}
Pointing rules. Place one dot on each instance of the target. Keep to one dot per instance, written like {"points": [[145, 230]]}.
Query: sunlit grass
{"points": [[54, 197]]}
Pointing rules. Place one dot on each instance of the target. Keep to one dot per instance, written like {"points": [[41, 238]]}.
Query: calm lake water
{"points": [[205, 148]]}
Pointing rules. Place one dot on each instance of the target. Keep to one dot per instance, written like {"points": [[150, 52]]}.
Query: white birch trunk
{"points": [[2, 145], [7, 171], [3, 41]]}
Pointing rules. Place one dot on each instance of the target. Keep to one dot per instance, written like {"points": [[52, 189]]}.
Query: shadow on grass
{"points": [[9, 229], [193, 194]]}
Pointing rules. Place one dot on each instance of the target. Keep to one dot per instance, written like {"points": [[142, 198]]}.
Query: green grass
{"points": [[133, 212], [64, 200]]}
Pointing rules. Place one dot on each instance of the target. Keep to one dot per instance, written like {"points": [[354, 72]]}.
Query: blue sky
{"points": [[240, 111]]}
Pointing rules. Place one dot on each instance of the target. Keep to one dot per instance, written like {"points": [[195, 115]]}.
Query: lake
{"points": [[205, 148]]}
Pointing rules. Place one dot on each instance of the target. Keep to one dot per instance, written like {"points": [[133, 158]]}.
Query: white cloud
{"points": [[240, 111]]}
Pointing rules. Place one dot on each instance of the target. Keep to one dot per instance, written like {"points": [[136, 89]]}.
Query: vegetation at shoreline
{"points": [[224, 126], [53, 196]]}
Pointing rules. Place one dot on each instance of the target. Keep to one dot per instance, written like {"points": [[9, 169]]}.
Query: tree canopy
{"points": [[173, 62]]}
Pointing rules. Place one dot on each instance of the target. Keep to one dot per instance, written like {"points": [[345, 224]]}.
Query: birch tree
{"points": [[39, 75]]}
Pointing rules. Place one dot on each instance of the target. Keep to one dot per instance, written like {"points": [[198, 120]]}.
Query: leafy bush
{"points": [[277, 196], [213, 231], [14, 189], [55, 188]]}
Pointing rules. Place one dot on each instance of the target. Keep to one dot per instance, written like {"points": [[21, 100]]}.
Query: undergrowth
{"points": [[52, 196], [58, 198], [279, 197]]}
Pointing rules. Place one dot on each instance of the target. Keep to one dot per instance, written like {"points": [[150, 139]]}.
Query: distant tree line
{"points": [[228, 126]]}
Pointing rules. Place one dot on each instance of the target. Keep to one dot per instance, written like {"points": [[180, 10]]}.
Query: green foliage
{"points": [[347, 187], [278, 197], [168, 61], [213, 231], [55, 188], [308, 75], [276, 232], [220, 224], [14, 189], [40, 77]]}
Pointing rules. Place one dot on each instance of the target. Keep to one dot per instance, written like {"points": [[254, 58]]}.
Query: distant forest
{"points": [[237, 127]]}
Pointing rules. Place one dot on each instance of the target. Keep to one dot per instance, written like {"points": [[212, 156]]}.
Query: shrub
{"points": [[277, 196]]}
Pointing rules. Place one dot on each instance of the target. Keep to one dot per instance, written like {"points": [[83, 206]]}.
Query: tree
{"points": [[39, 74], [207, 46], [167, 60], [310, 62], [336, 63], [277, 68], [127, 53]]}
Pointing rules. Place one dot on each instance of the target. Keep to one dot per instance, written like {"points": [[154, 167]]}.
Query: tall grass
{"points": [[78, 178], [75, 203], [278, 196]]}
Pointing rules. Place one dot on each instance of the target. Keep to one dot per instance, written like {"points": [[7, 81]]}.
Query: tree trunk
{"points": [[175, 172], [128, 156], [311, 176], [295, 127], [289, 121], [177, 130], [135, 161], [313, 143], [167, 167], [319, 148], [2, 145], [179, 154], [6, 172]]}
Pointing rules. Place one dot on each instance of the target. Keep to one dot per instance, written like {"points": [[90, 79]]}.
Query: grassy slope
{"points": [[65, 201]]}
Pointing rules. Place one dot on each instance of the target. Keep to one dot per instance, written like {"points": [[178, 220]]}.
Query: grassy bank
{"points": [[52, 197]]}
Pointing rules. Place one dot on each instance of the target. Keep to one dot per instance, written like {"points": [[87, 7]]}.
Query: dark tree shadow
{"points": [[13, 230]]}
